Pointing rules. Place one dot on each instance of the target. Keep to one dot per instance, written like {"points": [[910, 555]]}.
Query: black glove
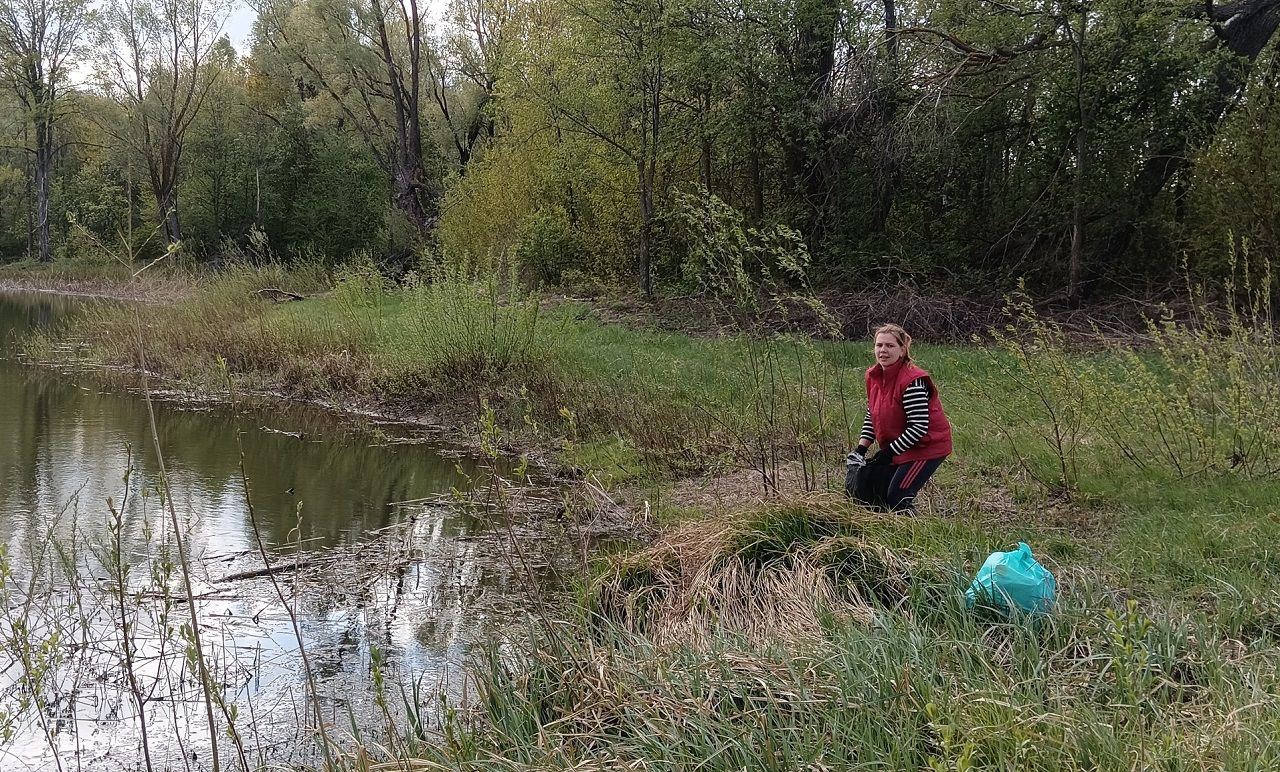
{"points": [[880, 458]]}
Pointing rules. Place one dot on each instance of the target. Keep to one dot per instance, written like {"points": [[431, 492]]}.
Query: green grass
{"points": [[884, 668], [641, 407], [1183, 679]]}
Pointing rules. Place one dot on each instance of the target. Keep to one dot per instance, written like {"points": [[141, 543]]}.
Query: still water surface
{"points": [[419, 581]]}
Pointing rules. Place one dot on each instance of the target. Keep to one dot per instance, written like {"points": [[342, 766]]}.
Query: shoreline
{"points": [[151, 291], [457, 423], [741, 584], [448, 428]]}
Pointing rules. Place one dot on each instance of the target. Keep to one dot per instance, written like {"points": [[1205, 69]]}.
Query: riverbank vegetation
{"points": [[772, 624], [860, 663]]}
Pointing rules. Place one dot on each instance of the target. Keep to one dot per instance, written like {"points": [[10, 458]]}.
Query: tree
{"points": [[607, 80], [39, 40], [369, 58], [155, 61], [219, 188], [464, 71], [1241, 32]]}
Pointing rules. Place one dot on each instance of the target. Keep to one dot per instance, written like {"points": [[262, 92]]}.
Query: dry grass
{"points": [[741, 490], [775, 573]]}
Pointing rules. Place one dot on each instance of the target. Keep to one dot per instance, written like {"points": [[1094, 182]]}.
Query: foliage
{"points": [[13, 208], [469, 326], [1200, 400], [1051, 399], [736, 264], [965, 150], [548, 247], [1205, 400]]}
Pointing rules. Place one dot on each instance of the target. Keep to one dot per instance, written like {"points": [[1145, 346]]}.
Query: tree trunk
{"points": [[704, 158], [806, 148], [757, 185], [30, 186], [647, 167], [887, 168], [43, 173], [166, 192], [1075, 268], [162, 168], [170, 224], [413, 195], [422, 211], [1076, 264], [646, 234]]}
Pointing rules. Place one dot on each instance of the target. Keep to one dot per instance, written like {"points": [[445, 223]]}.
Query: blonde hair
{"points": [[900, 335]]}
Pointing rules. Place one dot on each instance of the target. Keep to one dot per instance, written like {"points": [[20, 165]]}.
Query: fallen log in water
{"points": [[269, 570]]}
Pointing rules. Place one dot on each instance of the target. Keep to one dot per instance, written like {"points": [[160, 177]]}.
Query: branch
{"points": [[979, 61]]}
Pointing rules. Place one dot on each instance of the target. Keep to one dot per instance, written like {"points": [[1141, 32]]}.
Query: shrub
{"points": [[1049, 406], [1204, 400], [467, 325], [1201, 398], [548, 247]]}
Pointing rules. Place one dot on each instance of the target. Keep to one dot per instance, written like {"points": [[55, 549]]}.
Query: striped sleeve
{"points": [[915, 403], [868, 429]]}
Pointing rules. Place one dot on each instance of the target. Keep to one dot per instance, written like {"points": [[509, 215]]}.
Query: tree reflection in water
{"points": [[419, 582]]}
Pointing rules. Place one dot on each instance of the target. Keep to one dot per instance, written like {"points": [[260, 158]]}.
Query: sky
{"points": [[239, 26]]}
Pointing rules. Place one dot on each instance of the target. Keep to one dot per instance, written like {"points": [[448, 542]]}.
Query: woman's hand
{"points": [[858, 457]]}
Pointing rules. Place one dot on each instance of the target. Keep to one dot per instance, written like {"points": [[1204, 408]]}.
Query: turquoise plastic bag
{"points": [[1009, 580]]}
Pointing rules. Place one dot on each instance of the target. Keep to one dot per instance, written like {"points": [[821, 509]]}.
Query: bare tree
{"points": [[154, 60], [39, 40]]}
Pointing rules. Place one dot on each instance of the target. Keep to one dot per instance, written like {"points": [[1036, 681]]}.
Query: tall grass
{"points": [[914, 680], [467, 326], [814, 635]]}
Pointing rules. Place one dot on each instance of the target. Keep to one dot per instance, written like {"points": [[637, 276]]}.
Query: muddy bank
{"points": [[396, 420]]}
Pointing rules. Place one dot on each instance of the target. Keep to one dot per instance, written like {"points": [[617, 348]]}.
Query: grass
{"points": [[642, 407], [802, 631], [793, 638], [163, 282]]}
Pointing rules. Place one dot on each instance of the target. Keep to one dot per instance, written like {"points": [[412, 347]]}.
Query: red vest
{"points": [[885, 390]]}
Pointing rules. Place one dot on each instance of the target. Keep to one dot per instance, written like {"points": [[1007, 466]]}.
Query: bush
{"points": [[1203, 398], [548, 247], [467, 325], [740, 266]]}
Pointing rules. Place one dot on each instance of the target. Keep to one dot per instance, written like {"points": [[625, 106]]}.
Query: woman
{"points": [[904, 416]]}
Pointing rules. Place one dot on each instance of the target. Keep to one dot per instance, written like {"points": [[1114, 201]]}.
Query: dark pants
{"points": [[906, 482]]}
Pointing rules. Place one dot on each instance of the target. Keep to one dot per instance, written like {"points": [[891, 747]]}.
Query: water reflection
{"points": [[62, 437], [418, 581]]}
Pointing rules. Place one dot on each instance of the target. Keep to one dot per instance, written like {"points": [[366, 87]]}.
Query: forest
{"points": [[1089, 148]]}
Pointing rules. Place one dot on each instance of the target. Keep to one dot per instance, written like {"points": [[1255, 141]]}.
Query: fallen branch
{"points": [[278, 295], [267, 571]]}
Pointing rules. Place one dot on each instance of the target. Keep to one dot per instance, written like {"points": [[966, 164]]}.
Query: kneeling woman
{"points": [[904, 416]]}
